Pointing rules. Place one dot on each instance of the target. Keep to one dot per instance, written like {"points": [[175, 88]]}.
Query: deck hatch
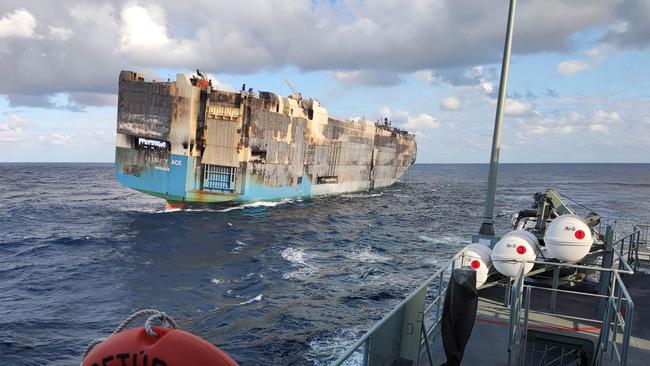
{"points": [[218, 178]]}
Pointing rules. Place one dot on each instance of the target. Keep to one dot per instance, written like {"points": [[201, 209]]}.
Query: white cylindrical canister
{"points": [[477, 257], [512, 250], [568, 238]]}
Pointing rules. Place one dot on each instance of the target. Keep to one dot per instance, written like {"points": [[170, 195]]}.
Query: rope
{"points": [[153, 314]]}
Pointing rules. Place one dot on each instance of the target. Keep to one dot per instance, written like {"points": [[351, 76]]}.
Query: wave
{"points": [[362, 195], [295, 256], [239, 248], [298, 259], [261, 204], [255, 299], [368, 256], [325, 349], [443, 239]]}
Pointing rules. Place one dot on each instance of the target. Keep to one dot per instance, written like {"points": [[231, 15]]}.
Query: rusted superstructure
{"points": [[188, 142]]}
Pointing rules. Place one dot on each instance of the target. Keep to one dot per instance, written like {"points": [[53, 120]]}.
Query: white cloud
{"points": [[602, 117], [224, 36], [14, 129], [367, 78], [140, 31], [599, 128], [60, 139], [385, 112], [450, 104], [413, 124], [599, 53], [19, 23], [544, 130], [572, 67], [421, 121], [426, 75], [60, 33], [144, 37], [646, 119], [516, 108]]}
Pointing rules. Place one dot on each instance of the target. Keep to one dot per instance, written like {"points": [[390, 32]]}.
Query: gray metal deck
{"points": [[489, 342]]}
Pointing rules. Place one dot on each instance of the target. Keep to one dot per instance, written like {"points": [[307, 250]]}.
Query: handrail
{"points": [[515, 313]]}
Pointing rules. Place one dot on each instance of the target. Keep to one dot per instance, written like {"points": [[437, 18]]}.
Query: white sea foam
{"points": [[362, 195], [216, 281], [227, 209], [239, 248], [298, 259], [368, 256], [442, 239], [261, 204], [167, 210], [256, 298], [295, 256], [324, 350]]}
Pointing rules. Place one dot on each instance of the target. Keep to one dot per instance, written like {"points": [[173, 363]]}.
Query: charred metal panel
{"points": [[145, 109], [221, 143], [221, 97]]}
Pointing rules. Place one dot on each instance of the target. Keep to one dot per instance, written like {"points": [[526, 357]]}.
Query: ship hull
{"points": [[192, 144]]}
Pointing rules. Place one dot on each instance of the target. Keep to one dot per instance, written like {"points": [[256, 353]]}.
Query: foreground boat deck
{"points": [[573, 317]]}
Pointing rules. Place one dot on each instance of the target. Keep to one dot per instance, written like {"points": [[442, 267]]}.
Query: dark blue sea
{"points": [[280, 283]]}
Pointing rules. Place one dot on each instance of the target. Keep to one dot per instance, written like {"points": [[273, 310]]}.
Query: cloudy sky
{"points": [[579, 87]]}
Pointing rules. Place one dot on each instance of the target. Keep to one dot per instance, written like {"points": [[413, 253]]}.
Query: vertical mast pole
{"points": [[487, 227]]}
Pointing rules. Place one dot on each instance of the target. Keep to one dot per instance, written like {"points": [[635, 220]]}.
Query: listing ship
{"points": [[190, 143]]}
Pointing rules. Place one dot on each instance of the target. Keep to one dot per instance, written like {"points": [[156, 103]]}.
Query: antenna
{"points": [[296, 94], [487, 227]]}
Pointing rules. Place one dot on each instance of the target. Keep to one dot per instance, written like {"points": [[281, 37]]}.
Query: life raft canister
{"points": [[155, 346]]}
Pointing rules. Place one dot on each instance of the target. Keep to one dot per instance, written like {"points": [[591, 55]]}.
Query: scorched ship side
{"points": [[188, 142]]}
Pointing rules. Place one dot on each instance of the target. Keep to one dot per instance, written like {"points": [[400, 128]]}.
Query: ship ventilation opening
{"points": [[155, 145], [327, 180], [258, 155]]}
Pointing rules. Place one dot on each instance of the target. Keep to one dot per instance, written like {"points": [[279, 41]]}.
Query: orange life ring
{"points": [[172, 347]]}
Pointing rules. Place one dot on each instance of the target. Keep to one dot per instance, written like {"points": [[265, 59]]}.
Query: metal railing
{"points": [[644, 236], [619, 309], [628, 248], [514, 325], [618, 317]]}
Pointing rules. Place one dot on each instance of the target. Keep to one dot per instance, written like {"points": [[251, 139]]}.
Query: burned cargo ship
{"points": [[190, 143]]}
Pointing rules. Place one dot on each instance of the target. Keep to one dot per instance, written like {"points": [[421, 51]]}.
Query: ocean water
{"points": [[291, 282]]}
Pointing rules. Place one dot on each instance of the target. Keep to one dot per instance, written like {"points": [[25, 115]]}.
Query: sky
{"points": [[578, 90]]}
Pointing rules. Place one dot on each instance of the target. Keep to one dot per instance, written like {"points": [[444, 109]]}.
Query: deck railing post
{"points": [[522, 353], [366, 351], [608, 260], [629, 314], [438, 302], [556, 283]]}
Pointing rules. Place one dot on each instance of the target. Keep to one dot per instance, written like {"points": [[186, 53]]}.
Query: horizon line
{"points": [[428, 163]]}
